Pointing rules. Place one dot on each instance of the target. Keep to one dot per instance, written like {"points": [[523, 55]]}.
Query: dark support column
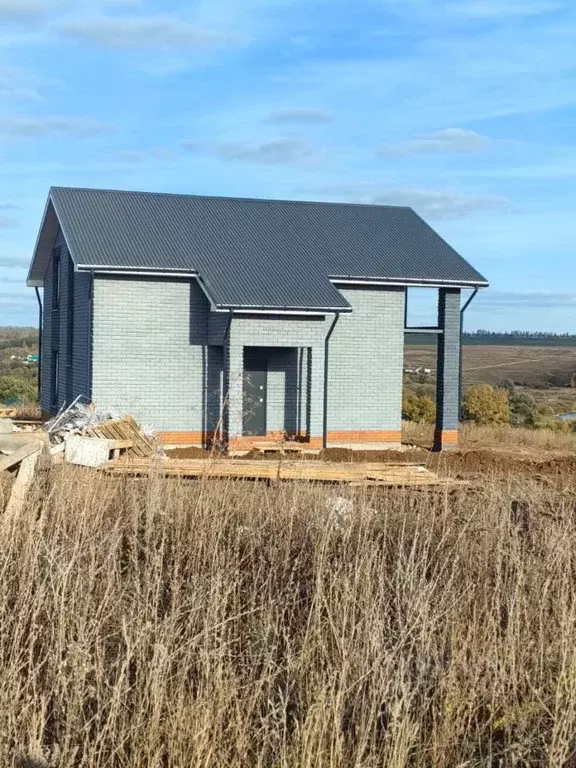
{"points": [[448, 370]]}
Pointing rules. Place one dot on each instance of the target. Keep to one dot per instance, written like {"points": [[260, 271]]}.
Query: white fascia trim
{"points": [[140, 273], [108, 269], [66, 240], [301, 312], [35, 283], [408, 284]]}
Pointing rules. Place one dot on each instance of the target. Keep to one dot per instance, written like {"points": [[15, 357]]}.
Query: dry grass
{"points": [[27, 411], [178, 624], [473, 436]]}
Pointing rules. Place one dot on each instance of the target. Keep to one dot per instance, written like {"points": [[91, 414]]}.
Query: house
{"points": [[242, 319]]}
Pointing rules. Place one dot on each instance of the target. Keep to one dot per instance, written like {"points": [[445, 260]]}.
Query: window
{"points": [[56, 280], [55, 375]]}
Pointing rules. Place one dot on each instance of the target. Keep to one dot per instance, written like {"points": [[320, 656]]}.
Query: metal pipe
{"points": [[40, 319], [226, 383], [90, 337], [460, 373], [326, 351]]}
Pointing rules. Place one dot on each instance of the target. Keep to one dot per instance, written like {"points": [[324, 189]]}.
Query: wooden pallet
{"points": [[125, 430], [316, 471]]}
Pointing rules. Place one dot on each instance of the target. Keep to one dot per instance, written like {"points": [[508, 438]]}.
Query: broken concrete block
{"points": [[87, 451], [6, 426]]}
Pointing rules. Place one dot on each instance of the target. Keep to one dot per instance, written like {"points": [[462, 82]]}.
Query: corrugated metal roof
{"points": [[257, 253]]}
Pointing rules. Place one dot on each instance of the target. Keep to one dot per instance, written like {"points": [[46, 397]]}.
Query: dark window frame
{"points": [[55, 377], [56, 277]]}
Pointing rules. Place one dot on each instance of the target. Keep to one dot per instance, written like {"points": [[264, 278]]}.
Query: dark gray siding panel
{"points": [[47, 339], [82, 335], [66, 330]]}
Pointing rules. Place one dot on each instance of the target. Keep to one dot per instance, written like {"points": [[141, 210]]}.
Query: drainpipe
{"points": [[40, 318], [226, 382], [326, 352], [90, 337], [464, 308]]}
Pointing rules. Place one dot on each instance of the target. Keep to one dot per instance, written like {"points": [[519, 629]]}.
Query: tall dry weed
{"points": [[158, 623]]}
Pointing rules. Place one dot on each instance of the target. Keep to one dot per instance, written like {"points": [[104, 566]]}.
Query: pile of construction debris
{"points": [[90, 437], [80, 434]]}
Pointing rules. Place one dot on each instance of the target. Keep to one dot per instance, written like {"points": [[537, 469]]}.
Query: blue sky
{"points": [[463, 109]]}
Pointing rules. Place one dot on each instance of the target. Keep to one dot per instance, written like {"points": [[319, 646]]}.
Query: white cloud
{"points": [[440, 142], [486, 9], [299, 115], [139, 156], [438, 204], [145, 32], [19, 83], [526, 299], [7, 222], [55, 125], [21, 10], [429, 203], [16, 262], [271, 152], [8, 207]]}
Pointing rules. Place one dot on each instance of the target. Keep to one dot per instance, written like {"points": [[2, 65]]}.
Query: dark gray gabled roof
{"points": [[255, 253]]}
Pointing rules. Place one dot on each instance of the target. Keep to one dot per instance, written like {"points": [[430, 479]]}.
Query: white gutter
{"points": [[406, 283]]}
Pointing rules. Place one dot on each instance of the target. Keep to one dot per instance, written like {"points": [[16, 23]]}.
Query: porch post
{"points": [[316, 395], [448, 370]]}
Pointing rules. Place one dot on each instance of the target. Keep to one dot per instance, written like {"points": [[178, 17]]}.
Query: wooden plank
{"points": [[301, 470], [23, 482], [7, 462]]}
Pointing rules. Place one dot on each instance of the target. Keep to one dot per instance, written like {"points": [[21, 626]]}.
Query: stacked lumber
{"points": [[25, 460], [317, 471], [284, 446], [127, 433]]}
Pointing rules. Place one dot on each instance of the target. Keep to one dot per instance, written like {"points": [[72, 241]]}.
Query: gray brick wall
{"points": [[366, 357], [160, 353], [448, 377], [149, 350], [278, 331], [65, 330]]}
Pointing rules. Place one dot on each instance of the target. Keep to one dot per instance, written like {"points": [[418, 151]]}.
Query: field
{"points": [[178, 623], [543, 372]]}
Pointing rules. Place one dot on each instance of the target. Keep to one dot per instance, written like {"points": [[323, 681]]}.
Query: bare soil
{"points": [[463, 464], [187, 453]]}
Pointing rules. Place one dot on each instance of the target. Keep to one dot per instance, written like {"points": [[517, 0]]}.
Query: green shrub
{"points": [[15, 390], [485, 405], [418, 408], [523, 409]]}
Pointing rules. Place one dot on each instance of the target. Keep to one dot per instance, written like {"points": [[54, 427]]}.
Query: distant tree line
{"points": [[482, 334]]}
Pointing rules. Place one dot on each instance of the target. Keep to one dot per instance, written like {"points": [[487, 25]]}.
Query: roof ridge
{"points": [[234, 198]]}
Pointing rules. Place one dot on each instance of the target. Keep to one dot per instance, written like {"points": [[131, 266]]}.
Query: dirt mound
{"points": [[488, 461], [187, 453]]}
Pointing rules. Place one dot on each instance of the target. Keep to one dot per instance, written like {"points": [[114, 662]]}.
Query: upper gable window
{"points": [[56, 279]]}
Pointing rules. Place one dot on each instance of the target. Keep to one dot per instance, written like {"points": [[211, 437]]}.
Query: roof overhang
{"points": [[44, 245], [406, 282], [215, 306]]}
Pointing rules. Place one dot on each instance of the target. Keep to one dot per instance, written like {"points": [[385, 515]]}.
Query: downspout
{"points": [[226, 383], [40, 319], [90, 336], [326, 354], [460, 374]]}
